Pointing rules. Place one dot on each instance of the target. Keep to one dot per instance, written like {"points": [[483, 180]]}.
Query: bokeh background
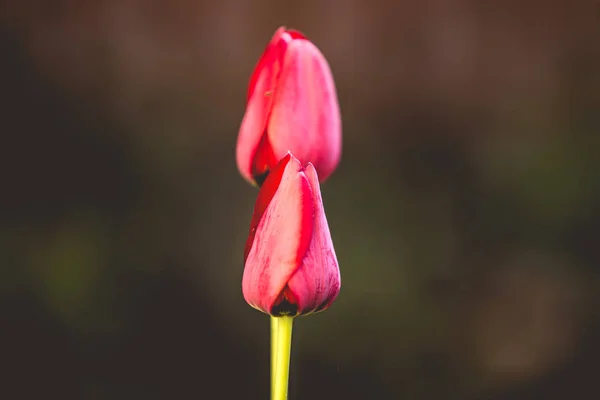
{"points": [[465, 212]]}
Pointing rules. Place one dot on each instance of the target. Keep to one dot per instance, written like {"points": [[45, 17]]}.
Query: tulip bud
{"points": [[292, 106], [291, 267]]}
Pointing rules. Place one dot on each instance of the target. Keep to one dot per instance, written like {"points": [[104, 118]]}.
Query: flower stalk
{"points": [[274, 331], [281, 346]]}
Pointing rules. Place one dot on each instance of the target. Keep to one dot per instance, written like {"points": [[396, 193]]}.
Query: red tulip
{"points": [[291, 267], [292, 106]]}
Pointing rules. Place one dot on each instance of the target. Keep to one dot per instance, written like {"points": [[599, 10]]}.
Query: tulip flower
{"points": [[292, 106], [291, 267]]}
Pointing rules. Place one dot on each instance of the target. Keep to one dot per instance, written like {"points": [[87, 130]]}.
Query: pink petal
{"points": [[305, 117], [258, 107], [281, 238], [273, 53], [265, 195], [316, 284]]}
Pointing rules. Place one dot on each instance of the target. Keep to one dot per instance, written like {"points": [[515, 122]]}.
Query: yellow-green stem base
{"points": [[281, 345]]}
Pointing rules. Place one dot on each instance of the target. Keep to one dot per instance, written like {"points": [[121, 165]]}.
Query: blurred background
{"points": [[465, 212]]}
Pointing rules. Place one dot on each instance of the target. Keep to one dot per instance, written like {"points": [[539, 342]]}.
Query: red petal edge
{"points": [[265, 195]]}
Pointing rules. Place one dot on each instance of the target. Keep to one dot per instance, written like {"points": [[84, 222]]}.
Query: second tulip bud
{"points": [[292, 106]]}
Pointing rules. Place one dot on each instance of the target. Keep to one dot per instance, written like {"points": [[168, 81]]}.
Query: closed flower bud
{"points": [[291, 267], [292, 106]]}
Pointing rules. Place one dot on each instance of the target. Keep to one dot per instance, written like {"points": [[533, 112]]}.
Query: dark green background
{"points": [[465, 212]]}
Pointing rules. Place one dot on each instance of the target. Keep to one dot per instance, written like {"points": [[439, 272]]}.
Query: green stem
{"points": [[274, 326], [280, 362]]}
